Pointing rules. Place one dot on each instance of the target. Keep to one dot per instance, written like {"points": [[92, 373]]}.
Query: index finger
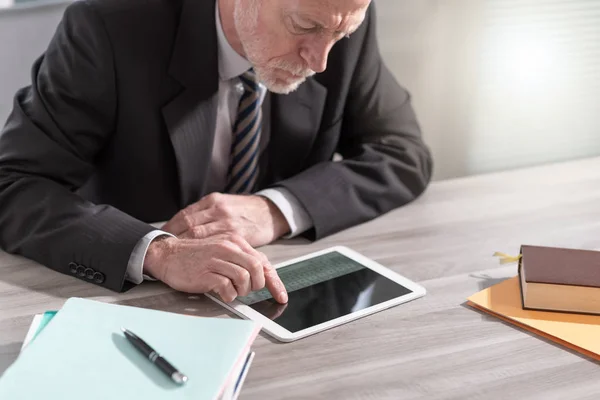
{"points": [[275, 285]]}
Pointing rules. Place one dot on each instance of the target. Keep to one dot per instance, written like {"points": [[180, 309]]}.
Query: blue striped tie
{"points": [[243, 169]]}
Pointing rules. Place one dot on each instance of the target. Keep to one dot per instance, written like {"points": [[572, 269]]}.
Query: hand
{"points": [[254, 218], [224, 264]]}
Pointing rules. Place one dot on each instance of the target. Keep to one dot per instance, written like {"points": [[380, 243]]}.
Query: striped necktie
{"points": [[243, 168]]}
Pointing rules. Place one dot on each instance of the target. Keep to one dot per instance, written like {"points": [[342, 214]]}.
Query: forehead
{"points": [[329, 13]]}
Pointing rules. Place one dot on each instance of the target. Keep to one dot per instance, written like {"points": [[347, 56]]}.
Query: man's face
{"points": [[289, 40]]}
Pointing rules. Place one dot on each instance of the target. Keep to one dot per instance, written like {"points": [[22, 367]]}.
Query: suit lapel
{"points": [[190, 117], [295, 121]]}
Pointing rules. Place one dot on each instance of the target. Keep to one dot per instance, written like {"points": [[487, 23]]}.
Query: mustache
{"points": [[293, 68]]}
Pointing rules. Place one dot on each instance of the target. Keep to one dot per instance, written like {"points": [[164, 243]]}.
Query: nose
{"points": [[315, 52]]}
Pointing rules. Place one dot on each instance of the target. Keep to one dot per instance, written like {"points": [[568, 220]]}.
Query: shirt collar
{"points": [[231, 64]]}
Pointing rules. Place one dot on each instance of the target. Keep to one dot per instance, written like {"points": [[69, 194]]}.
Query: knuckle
{"points": [[244, 276], [263, 257], [229, 225], [256, 266], [186, 215], [223, 209], [235, 237], [197, 231], [213, 199], [222, 282]]}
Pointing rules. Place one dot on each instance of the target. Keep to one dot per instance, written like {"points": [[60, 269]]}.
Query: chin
{"points": [[276, 81], [281, 86]]}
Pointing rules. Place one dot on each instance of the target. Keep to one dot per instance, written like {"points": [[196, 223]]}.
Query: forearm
{"points": [[43, 221], [359, 189]]}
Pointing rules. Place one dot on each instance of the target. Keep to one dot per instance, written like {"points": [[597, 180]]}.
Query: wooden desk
{"points": [[434, 347]]}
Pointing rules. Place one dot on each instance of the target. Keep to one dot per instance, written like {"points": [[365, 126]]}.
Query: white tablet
{"points": [[325, 289]]}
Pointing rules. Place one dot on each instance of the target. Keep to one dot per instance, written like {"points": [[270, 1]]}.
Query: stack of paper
{"points": [[81, 353], [37, 325]]}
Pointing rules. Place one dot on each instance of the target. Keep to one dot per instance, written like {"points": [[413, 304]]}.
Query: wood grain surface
{"points": [[433, 348]]}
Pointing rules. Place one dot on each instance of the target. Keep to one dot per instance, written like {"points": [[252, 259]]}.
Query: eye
{"points": [[302, 28]]}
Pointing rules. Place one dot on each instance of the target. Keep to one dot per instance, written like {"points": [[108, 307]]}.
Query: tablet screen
{"points": [[323, 288]]}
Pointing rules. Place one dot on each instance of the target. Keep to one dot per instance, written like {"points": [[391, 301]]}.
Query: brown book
{"points": [[558, 279]]}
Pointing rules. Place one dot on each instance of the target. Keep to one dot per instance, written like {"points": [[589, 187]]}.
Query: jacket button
{"points": [[89, 273], [98, 277], [80, 270], [73, 268]]}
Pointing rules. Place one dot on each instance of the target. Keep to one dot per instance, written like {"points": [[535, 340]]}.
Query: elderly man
{"points": [[220, 118]]}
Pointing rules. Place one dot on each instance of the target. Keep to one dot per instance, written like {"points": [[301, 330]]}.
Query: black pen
{"points": [[154, 357]]}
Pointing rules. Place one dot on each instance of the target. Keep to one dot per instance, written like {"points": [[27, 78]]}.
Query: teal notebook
{"points": [[82, 354]]}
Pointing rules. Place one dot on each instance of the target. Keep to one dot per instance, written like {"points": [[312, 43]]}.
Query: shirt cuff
{"points": [[135, 267], [294, 212]]}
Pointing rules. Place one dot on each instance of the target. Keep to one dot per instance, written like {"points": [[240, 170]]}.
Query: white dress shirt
{"points": [[231, 66]]}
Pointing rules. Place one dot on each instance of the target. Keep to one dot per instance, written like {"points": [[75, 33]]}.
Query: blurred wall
{"points": [[24, 34], [497, 84]]}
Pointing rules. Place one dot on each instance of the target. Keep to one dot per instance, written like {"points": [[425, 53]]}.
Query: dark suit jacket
{"points": [[116, 131]]}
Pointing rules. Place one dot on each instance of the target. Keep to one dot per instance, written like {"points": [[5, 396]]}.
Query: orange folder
{"points": [[579, 332]]}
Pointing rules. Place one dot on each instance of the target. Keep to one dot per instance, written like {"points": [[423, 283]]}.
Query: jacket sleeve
{"points": [[47, 149], [386, 163]]}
